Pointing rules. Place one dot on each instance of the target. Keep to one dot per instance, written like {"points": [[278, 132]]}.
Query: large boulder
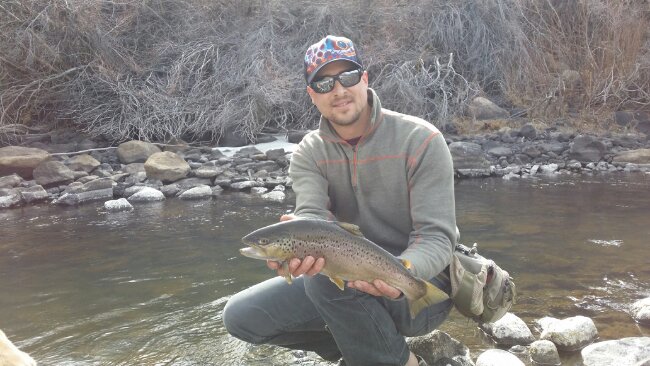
{"points": [[482, 108], [52, 172], [136, 151], [83, 162], [498, 357], [438, 346], [10, 181], [76, 193], [509, 330], [587, 148], [570, 334], [166, 166], [469, 159], [641, 311], [638, 156], [633, 351], [20, 160]]}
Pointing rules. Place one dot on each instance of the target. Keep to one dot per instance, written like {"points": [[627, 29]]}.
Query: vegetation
{"points": [[156, 69]]}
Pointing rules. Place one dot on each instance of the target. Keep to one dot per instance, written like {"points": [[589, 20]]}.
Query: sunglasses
{"points": [[347, 79]]}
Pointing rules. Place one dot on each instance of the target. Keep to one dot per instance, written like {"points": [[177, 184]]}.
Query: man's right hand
{"points": [[309, 265]]}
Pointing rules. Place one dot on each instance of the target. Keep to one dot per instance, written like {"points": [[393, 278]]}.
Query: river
{"points": [[80, 286]]}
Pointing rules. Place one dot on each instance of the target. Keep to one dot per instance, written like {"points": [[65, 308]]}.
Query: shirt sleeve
{"points": [[309, 184], [431, 186]]}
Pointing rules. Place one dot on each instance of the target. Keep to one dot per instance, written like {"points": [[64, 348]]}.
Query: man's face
{"points": [[341, 106]]}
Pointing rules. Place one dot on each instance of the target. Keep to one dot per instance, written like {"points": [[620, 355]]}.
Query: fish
{"points": [[348, 255]]}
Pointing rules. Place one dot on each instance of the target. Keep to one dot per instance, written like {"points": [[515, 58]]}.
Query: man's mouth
{"points": [[341, 104]]}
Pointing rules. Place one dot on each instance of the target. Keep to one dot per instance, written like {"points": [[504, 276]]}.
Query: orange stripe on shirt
{"points": [[420, 149]]}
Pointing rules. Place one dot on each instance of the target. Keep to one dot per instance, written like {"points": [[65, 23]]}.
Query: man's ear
{"points": [[364, 77]]}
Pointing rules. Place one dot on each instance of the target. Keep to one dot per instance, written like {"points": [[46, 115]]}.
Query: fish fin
{"points": [[287, 273], [351, 228], [338, 282], [432, 296], [407, 263]]}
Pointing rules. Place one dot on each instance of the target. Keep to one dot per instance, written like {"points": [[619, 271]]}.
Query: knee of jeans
{"points": [[240, 320], [429, 320], [320, 288]]}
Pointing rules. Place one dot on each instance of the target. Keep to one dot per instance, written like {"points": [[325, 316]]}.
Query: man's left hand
{"points": [[376, 288]]}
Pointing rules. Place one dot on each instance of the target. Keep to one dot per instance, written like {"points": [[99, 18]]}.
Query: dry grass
{"points": [[155, 69]]}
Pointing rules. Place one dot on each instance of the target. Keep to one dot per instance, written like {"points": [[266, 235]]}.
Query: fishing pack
{"points": [[480, 289]]}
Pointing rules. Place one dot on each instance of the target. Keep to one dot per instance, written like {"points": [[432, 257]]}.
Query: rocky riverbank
{"points": [[73, 170]]}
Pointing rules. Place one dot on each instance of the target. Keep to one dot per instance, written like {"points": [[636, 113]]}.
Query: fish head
{"points": [[268, 243]]}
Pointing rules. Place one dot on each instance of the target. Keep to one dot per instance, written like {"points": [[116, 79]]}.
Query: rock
{"points": [[544, 353], [10, 198], [201, 192], [509, 330], [277, 196], [82, 162], [639, 156], [528, 131], [121, 204], [295, 137], [136, 151], [231, 138], [570, 334], [248, 152], [34, 194], [21, 160], [633, 351], [170, 190], [275, 154], [52, 172], [437, 345], [259, 190], [586, 148], [482, 108], [498, 357], [532, 151], [208, 171], [549, 168], [216, 190], [500, 151], [187, 183], [134, 168], [10, 181], [641, 311], [82, 197], [247, 184], [147, 194], [166, 166], [468, 155]]}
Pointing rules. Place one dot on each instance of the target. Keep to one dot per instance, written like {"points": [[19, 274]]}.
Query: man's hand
{"points": [[309, 265], [376, 288]]}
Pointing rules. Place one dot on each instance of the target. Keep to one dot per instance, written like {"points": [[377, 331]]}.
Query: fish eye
{"points": [[264, 241]]}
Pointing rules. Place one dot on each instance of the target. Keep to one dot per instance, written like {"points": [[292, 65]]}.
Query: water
{"points": [[79, 286]]}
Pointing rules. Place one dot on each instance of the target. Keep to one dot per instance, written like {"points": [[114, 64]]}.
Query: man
{"points": [[390, 174]]}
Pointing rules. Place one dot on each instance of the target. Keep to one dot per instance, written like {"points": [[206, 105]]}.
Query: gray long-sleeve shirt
{"points": [[396, 184]]}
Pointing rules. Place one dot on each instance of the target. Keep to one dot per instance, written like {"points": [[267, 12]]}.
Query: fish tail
{"points": [[432, 296]]}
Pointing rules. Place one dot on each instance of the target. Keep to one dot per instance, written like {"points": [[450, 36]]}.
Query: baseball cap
{"points": [[329, 49]]}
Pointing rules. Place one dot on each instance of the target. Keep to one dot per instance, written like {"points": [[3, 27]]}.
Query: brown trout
{"points": [[348, 256]]}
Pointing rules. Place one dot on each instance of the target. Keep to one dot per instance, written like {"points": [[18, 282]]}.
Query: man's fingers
{"points": [[317, 267], [304, 266], [386, 290], [366, 287]]}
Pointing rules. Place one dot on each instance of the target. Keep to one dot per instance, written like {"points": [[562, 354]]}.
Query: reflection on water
{"points": [[80, 286]]}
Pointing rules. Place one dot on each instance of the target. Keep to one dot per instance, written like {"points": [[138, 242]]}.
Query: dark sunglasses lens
{"points": [[347, 79], [350, 78], [323, 85]]}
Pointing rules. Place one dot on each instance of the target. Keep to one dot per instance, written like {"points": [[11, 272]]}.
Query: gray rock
{"points": [[136, 151], [276, 196], [247, 184], [295, 137], [532, 150], [34, 194], [437, 345], [166, 166], [170, 190], [509, 330], [468, 155], [121, 204], [201, 192], [187, 183], [641, 311], [52, 172], [275, 154], [10, 198], [549, 168], [147, 194], [498, 357], [134, 168], [259, 190], [638, 156], [208, 171], [586, 148], [83, 162], [130, 191], [82, 197], [482, 108], [544, 353], [528, 131], [570, 334], [633, 351], [216, 190], [21, 160], [500, 151], [10, 181]]}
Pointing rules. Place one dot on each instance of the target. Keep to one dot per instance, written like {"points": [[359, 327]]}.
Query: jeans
{"points": [[312, 314]]}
